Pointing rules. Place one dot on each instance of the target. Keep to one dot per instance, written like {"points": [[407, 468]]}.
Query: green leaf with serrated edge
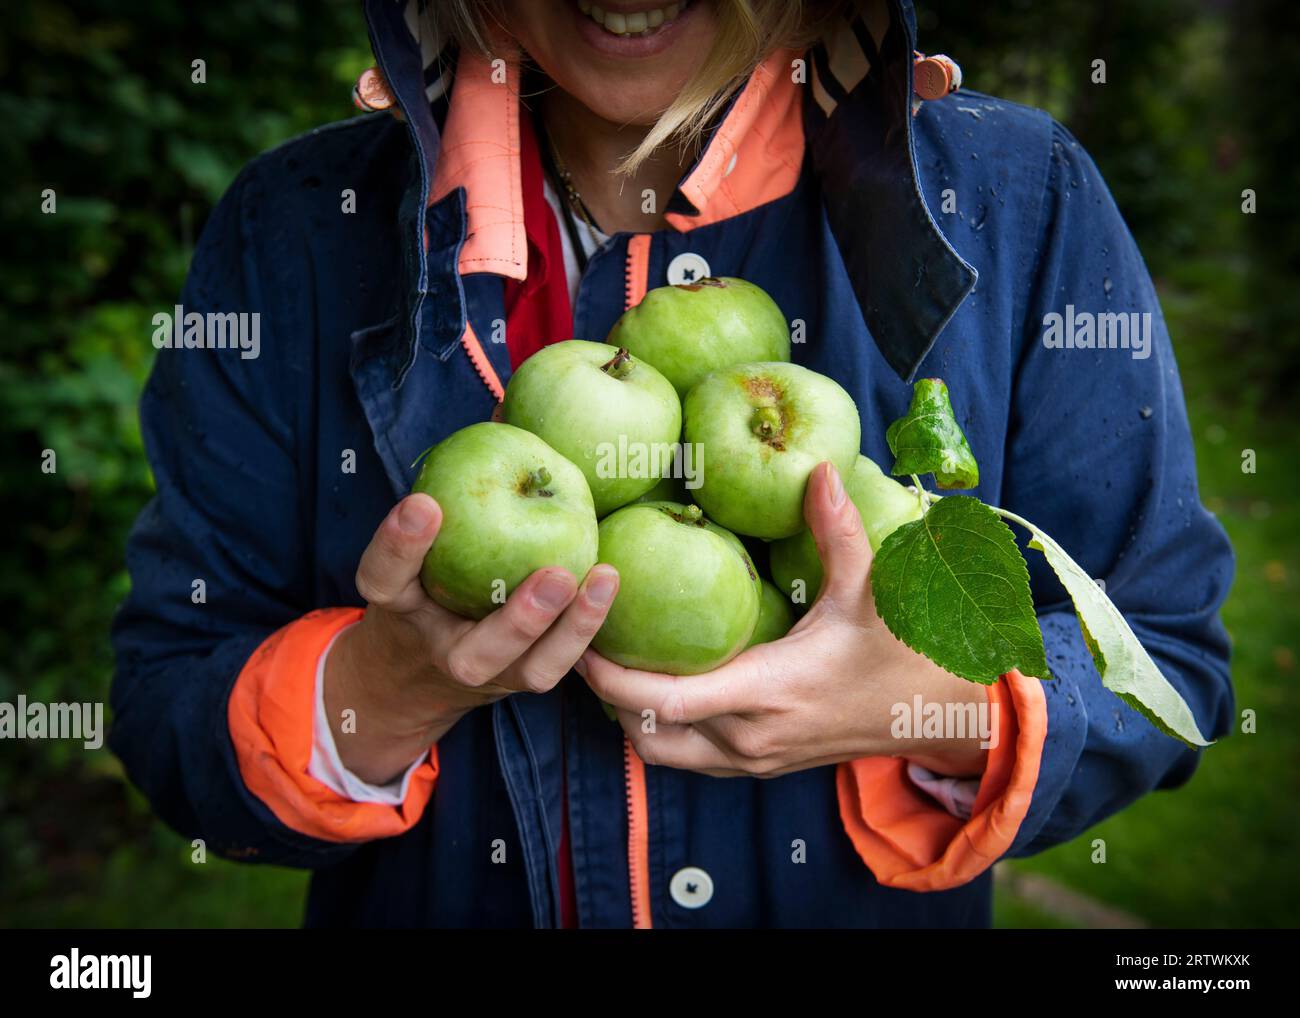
{"points": [[954, 587], [928, 439], [1125, 666]]}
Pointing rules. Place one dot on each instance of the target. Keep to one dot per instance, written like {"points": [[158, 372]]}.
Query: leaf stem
{"points": [[923, 496], [1007, 514]]}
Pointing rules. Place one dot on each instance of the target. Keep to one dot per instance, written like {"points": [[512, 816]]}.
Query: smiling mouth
{"points": [[630, 25]]}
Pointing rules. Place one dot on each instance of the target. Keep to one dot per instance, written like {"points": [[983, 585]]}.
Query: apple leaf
{"points": [[928, 439], [953, 586], [1125, 666]]}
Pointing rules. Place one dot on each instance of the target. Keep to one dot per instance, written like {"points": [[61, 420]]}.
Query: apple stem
{"points": [[537, 482], [620, 365], [765, 422], [692, 514]]}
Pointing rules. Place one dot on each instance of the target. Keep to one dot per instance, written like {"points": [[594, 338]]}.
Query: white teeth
{"points": [[638, 24]]}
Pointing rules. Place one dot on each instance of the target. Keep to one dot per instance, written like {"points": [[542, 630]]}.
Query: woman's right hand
{"points": [[410, 669]]}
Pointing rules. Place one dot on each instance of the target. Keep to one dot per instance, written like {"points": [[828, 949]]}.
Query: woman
{"points": [[547, 164]]}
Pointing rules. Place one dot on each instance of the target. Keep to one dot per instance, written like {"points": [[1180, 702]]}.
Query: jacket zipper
{"points": [[481, 363], [637, 274], [638, 837]]}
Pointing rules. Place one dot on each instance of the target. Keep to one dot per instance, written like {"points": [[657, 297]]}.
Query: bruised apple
{"points": [[690, 329], [760, 430], [688, 595], [510, 505]]}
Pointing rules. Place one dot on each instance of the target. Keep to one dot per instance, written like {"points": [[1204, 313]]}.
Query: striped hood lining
{"points": [[839, 61], [752, 156]]}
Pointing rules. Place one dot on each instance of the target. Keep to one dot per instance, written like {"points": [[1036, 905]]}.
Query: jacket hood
{"points": [[858, 105]]}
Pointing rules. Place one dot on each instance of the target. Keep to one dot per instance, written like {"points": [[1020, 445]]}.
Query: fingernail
{"points": [[837, 487], [415, 515], [601, 587], [553, 593], [580, 666]]}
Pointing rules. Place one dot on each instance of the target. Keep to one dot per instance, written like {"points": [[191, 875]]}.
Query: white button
{"points": [[687, 268], [731, 165], [691, 887]]}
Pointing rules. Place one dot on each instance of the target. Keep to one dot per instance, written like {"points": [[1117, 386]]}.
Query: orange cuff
{"points": [[908, 841], [271, 714]]}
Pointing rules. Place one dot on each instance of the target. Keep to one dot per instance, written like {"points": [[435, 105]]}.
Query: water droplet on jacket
{"points": [[1107, 285]]}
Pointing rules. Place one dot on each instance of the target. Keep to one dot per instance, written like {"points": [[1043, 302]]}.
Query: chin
{"points": [[627, 78], [619, 106]]}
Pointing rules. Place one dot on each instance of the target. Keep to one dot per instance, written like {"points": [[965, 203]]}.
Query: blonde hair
{"points": [[748, 30]]}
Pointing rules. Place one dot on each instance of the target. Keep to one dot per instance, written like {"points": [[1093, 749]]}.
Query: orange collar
{"points": [[754, 157]]}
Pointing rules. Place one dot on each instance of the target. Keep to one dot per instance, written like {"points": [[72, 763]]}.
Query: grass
{"points": [[153, 884]]}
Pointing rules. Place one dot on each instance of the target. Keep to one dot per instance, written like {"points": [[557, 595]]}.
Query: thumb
{"points": [[389, 573], [841, 540]]}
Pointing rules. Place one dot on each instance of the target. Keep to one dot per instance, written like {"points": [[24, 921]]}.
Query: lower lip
{"points": [[631, 46]]}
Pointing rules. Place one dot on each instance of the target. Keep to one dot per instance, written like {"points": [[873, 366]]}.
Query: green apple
{"points": [[761, 429], [688, 592], [510, 505], [775, 616], [690, 329], [612, 415], [884, 505]]}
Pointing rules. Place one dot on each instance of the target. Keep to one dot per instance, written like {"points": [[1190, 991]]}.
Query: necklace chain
{"points": [[572, 197]]}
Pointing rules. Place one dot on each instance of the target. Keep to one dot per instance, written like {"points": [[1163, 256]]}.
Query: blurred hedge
{"points": [[99, 106]]}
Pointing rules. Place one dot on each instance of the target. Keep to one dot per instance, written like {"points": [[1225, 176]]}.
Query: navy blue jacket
{"points": [[361, 349]]}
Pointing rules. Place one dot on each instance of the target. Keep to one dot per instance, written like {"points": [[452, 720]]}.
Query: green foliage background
{"points": [[98, 105]]}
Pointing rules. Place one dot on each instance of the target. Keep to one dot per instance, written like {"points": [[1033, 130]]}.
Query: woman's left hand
{"points": [[824, 693]]}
